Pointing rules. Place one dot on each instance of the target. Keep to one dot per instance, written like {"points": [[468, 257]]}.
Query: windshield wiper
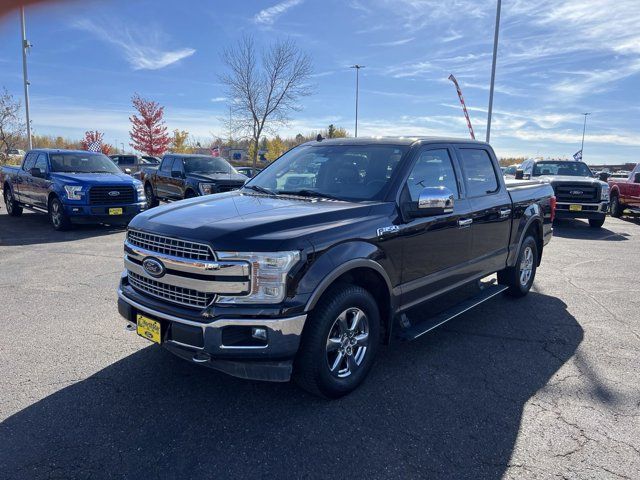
{"points": [[258, 188], [308, 193]]}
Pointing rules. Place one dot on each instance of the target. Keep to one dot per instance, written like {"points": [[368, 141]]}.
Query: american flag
{"points": [[94, 146], [215, 151], [577, 156]]}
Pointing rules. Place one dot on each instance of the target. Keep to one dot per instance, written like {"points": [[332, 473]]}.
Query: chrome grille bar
{"points": [[170, 246], [171, 293]]}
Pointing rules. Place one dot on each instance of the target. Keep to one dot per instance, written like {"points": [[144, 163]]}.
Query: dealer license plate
{"points": [[148, 328], [115, 211], [575, 208]]}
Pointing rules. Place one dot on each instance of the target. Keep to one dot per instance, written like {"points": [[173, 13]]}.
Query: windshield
{"points": [[82, 163], [207, 165], [353, 172], [574, 169]]}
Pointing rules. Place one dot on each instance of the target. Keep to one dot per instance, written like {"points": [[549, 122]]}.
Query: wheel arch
{"points": [[532, 224]]}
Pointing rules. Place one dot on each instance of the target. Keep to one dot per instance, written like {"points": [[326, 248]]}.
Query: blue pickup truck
{"points": [[72, 186]]}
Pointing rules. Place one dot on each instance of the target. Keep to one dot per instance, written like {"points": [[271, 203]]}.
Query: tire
{"points": [[190, 194], [596, 222], [58, 218], [335, 355], [13, 207], [516, 278], [152, 201], [615, 207]]}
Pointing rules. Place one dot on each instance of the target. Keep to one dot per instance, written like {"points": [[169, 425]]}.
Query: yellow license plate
{"points": [[575, 208], [115, 211], [148, 328]]}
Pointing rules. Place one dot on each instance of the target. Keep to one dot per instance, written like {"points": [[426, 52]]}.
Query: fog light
{"points": [[259, 333]]}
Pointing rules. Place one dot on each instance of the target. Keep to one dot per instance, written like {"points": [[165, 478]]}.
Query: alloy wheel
{"points": [[56, 214], [347, 342], [526, 266], [8, 201]]}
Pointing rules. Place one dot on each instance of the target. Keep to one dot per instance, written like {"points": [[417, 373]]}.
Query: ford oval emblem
{"points": [[153, 267], [114, 193], [576, 192]]}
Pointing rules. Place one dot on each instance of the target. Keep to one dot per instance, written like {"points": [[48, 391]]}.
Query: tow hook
{"points": [[130, 327]]}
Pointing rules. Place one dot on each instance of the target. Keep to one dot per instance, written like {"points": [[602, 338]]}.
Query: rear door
{"points": [[40, 186], [490, 205], [163, 177], [436, 249]]}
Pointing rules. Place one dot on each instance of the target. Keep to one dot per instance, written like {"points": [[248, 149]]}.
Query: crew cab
{"points": [[182, 176], [72, 186], [269, 282], [133, 163], [578, 193], [625, 193]]}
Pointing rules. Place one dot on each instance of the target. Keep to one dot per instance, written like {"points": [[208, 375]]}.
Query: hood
{"points": [[218, 177], [94, 178], [237, 221], [558, 179]]}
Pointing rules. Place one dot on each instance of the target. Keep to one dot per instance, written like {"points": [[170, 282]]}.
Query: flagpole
{"points": [[25, 46], [584, 128]]}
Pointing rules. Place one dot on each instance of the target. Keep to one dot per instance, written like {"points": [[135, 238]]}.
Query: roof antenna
{"points": [[319, 138]]}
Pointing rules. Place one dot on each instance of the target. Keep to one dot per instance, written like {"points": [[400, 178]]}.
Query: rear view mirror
{"points": [[519, 174], [433, 201], [36, 172], [127, 170], [175, 174]]}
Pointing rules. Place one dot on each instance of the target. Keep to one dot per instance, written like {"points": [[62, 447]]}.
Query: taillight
{"points": [[552, 203]]}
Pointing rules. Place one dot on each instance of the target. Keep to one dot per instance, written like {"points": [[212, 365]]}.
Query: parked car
{"points": [[248, 171], [184, 176], [510, 171], [72, 187], [578, 193], [133, 163], [625, 193], [267, 282]]}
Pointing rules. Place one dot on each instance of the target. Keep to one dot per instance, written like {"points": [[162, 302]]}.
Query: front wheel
{"points": [[13, 208], [57, 216], [152, 201], [339, 342], [519, 278], [596, 222], [616, 208]]}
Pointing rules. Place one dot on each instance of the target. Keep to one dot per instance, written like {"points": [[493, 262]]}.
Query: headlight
{"points": [[140, 191], [604, 192], [74, 192], [268, 275], [205, 188]]}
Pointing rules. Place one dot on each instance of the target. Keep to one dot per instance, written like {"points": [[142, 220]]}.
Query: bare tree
{"points": [[12, 128], [264, 91]]}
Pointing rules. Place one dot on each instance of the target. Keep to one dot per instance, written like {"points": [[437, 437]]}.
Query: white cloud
{"points": [[219, 99], [395, 43], [141, 50], [268, 16]]}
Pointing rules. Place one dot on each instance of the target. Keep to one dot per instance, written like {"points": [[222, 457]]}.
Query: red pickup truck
{"points": [[625, 193]]}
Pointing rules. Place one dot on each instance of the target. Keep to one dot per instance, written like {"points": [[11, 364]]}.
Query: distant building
{"points": [[627, 167]]}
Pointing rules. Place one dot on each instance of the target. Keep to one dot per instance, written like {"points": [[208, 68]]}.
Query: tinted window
{"points": [[41, 162], [29, 161], [576, 169], [177, 165], [432, 169], [85, 162], [166, 164], [127, 160], [479, 173], [207, 165]]}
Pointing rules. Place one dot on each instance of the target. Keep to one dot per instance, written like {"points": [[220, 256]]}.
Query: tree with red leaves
{"points": [[148, 131], [95, 136]]}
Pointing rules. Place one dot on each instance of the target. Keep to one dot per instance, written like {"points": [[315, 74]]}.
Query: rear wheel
{"points": [[339, 342], [152, 201], [596, 222], [13, 208], [519, 278], [616, 207], [59, 219]]}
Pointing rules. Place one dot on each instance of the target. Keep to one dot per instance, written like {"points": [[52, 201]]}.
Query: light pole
{"points": [[584, 128], [357, 67], [493, 68], [25, 47], [122, 145]]}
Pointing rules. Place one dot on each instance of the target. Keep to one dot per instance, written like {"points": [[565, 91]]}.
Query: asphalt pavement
{"points": [[542, 387]]}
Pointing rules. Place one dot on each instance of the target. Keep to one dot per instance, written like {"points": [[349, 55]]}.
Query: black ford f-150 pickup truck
{"points": [[182, 176], [270, 282]]}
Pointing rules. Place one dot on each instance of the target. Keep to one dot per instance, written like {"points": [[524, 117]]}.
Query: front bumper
{"points": [[100, 213], [589, 210], [214, 343]]}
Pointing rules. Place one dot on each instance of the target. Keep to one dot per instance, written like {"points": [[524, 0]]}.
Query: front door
{"points": [[491, 205], [176, 183], [436, 249], [163, 177], [40, 185]]}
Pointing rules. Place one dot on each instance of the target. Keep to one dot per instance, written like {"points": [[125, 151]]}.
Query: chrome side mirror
{"points": [[435, 201], [519, 174]]}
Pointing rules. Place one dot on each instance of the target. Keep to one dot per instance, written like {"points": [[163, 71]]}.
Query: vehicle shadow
{"points": [[446, 406], [34, 228], [580, 229]]}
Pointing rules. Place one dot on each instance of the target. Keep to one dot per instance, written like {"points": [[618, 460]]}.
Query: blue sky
{"points": [[556, 60]]}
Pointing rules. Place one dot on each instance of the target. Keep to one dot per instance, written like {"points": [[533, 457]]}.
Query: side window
{"points": [[127, 160], [41, 163], [166, 164], [177, 166], [29, 162], [433, 168], [480, 176]]}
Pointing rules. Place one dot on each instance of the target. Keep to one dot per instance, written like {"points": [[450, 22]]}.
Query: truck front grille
{"points": [[171, 293], [576, 193], [229, 187], [170, 246], [111, 195]]}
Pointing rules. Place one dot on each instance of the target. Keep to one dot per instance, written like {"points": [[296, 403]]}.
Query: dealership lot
{"points": [[533, 388]]}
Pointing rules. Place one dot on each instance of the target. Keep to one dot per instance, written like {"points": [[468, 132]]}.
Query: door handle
{"points": [[465, 222], [505, 212]]}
